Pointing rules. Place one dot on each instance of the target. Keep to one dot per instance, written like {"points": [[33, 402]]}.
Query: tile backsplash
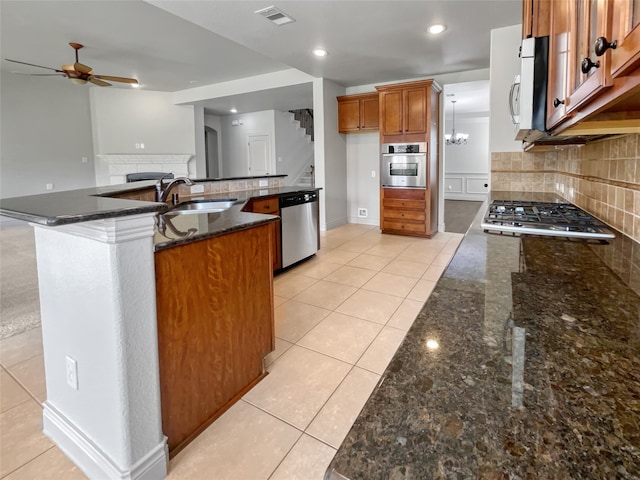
{"points": [[602, 178]]}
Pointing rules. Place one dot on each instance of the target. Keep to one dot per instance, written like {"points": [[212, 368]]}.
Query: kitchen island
{"points": [[523, 363], [133, 316]]}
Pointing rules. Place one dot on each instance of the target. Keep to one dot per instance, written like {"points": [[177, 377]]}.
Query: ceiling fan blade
{"points": [[117, 79], [33, 65], [79, 67], [97, 81], [40, 74]]}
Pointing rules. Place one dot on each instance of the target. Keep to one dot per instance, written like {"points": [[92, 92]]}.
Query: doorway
{"points": [[260, 154], [211, 153]]}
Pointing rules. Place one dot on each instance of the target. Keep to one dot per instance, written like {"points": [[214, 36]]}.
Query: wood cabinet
{"points": [[409, 113], [405, 211], [215, 325], [358, 113], [625, 32], [593, 89], [536, 15], [405, 111], [271, 206]]}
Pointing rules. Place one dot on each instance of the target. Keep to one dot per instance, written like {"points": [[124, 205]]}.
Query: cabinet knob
{"points": [[602, 45], [587, 65], [557, 102]]}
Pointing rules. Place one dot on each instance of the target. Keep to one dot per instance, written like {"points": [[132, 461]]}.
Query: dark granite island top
{"points": [[523, 363], [87, 204]]}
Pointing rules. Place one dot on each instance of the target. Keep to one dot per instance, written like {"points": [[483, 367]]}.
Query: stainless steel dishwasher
{"points": [[299, 217]]}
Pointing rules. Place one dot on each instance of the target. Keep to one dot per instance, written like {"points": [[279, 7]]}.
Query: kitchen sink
{"points": [[203, 206]]}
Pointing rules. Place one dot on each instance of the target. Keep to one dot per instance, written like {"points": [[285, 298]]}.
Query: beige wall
{"points": [[602, 178]]}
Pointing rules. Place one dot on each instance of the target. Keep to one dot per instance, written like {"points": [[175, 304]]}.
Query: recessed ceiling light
{"points": [[436, 29], [233, 110], [135, 85], [319, 52], [193, 81]]}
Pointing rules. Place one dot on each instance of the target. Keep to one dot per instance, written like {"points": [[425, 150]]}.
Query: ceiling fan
{"points": [[78, 73]]}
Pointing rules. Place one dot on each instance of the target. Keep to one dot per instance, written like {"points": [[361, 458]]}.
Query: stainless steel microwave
{"points": [[403, 165]]}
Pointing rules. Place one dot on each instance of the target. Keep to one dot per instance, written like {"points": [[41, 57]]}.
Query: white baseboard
{"points": [[333, 224], [365, 221], [92, 460]]}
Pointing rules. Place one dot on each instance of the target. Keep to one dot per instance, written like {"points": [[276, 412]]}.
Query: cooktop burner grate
{"points": [[543, 218]]}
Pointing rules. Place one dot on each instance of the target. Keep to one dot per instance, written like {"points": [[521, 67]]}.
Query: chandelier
{"points": [[455, 138]]}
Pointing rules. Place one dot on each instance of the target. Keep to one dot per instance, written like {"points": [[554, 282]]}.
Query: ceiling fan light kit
{"points": [[80, 74]]}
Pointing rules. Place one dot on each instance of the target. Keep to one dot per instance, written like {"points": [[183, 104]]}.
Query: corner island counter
{"points": [[523, 363], [148, 335]]}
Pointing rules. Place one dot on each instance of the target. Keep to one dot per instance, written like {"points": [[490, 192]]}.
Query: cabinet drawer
{"points": [[404, 215], [400, 203], [266, 205], [401, 226]]}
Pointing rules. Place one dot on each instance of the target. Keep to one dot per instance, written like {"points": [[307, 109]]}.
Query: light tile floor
{"points": [[340, 317]]}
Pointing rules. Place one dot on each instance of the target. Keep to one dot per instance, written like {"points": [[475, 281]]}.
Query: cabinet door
{"points": [[590, 20], [626, 33], [415, 110], [369, 113], [348, 116], [391, 113], [535, 18], [559, 54]]}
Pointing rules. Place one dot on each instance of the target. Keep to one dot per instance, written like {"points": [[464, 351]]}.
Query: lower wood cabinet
{"points": [[270, 205], [215, 325], [405, 211]]}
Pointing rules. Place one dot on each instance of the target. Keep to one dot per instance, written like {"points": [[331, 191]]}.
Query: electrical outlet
{"points": [[72, 373], [263, 183], [373, 174], [49, 186], [197, 189], [363, 213], [85, 159]]}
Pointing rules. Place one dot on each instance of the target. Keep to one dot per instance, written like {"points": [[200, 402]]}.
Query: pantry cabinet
{"points": [[358, 113]]}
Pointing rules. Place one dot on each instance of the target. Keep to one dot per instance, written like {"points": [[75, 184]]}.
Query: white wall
{"points": [[330, 154], [467, 166], [200, 161], [363, 157], [121, 118], [294, 149], [505, 64], [46, 130], [235, 139]]}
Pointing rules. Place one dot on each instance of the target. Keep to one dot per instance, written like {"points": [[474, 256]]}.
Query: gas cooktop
{"points": [[543, 218]]}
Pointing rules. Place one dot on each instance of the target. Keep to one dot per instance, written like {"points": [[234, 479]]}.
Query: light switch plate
{"points": [[197, 189]]}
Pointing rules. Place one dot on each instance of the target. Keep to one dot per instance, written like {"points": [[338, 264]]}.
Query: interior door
{"points": [[260, 155]]}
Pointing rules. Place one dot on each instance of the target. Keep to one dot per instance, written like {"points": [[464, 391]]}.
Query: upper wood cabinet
{"points": [[358, 113], [625, 32], [536, 15], [405, 111], [593, 78]]}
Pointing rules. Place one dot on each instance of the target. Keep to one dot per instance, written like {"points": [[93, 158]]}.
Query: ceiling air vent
{"points": [[276, 15]]}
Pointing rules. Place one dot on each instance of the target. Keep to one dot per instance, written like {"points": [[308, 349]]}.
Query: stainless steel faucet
{"points": [[162, 192]]}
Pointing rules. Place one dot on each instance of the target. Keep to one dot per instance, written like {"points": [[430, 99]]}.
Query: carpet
{"points": [[458, 215], [19, 300]]}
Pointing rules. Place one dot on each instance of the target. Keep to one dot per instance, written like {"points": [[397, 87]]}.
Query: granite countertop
{"points": [[179, 229], [87, 204], [536, 372]]}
